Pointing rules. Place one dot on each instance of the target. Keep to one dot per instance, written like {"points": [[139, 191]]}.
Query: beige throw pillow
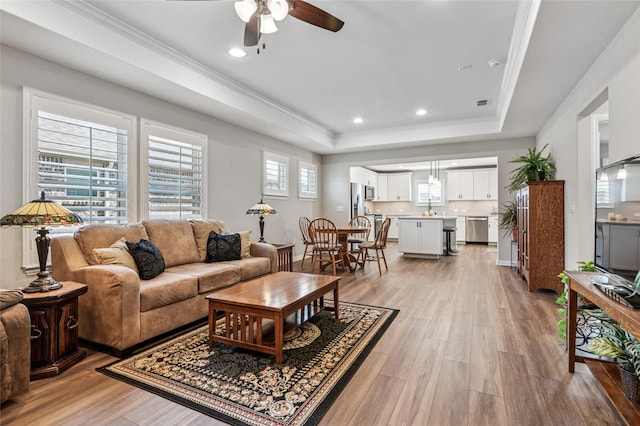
{"points": [[245, 240], [117, 254]]}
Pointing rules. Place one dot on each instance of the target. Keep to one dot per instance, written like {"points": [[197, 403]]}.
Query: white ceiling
{"points": [[391, 58]]}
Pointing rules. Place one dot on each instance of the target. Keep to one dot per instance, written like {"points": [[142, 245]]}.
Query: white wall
{"points": [[336, 172], [616, 72], [234, 157]]}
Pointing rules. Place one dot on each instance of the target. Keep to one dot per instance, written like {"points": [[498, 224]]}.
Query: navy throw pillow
{"points": [[148, 258], [223, 247]]}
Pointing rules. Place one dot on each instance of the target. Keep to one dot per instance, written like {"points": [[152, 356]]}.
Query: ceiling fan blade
{"points": [[252, 30], [315, 16]]}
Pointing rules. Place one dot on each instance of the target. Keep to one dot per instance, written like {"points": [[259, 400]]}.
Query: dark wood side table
{"points": [[54, 329], [285, 256]]}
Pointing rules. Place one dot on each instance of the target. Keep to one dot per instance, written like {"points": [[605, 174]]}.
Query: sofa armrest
{"points": [[109, 313], [15, 345], [266, 250]]}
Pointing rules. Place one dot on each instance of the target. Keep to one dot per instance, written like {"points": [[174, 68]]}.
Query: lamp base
{"points": [[41, 284]]}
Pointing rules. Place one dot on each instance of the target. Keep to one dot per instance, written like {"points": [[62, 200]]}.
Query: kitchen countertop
{"points": [[437, 217]]}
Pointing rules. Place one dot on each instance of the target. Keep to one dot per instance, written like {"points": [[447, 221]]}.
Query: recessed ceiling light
{"points": [[237, 52], [464, 67], [495, 62], [358, 120], [421, 111]]}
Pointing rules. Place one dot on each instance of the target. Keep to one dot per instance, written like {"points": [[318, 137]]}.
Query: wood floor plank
{"points": [[470, 346]]}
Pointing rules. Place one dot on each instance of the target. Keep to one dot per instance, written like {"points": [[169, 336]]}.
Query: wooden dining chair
{"points": [[358, 238], [324, 238], [378, 246], [304, 223]]}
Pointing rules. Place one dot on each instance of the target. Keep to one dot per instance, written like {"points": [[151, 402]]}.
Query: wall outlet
{"points": [[400, 210], [340, 208]]}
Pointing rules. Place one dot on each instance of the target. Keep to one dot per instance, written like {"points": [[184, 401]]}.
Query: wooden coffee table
{"points": [[259, 312]]}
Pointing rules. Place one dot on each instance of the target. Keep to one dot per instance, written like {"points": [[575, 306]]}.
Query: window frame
{"points": [[439, 202], [283, 160], [152, 128], [34, 101], [305, 165]]}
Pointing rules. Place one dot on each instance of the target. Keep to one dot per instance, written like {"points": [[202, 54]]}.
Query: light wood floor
{"points": [[470, 346]]}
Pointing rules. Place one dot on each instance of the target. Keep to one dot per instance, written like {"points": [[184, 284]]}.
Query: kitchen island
{"points": [[422, 236]]}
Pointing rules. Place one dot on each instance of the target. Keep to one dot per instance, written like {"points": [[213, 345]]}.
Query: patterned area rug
{"points": [[243, 387]]}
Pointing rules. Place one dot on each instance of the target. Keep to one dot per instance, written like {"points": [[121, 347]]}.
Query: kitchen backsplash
{"points": [[452, 208]]}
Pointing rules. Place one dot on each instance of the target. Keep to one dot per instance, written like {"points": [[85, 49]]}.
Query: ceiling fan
{"points": [[260, 16]]}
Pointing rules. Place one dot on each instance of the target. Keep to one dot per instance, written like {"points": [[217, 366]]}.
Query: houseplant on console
{"points": [[618, 343], [533, 167]]}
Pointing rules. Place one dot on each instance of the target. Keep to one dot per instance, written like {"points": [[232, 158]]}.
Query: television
{"points": [[617, 223]]}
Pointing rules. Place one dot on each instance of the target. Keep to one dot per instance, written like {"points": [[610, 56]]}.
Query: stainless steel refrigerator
{"points": [[357, 200]]}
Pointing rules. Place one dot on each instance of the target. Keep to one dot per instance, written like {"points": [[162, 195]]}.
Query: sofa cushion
{"points": [[252, 267], [165, 289], [9, 298], [223, 247], [211, 276], [175, 240], [148, 259], [116, 254], [246, 243], [201, 230], [94, 236]]}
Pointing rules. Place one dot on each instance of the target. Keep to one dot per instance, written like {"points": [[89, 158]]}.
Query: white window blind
{"points": [[275, 175], [175, 172], [308, 180], [83, 164]]}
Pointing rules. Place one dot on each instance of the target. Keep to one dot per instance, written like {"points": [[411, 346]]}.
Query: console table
{"points": [[606, 373]]}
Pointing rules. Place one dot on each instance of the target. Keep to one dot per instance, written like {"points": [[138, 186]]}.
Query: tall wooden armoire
{"points": [[541, 234]]}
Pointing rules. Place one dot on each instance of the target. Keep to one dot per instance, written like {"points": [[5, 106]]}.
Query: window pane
{"points": [[275, 175], [175, 178], [83, 166], [308, 186]]}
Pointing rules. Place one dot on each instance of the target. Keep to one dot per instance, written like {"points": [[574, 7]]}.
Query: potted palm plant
{"points": [[533, 167], [618, 343], [509, 219]]}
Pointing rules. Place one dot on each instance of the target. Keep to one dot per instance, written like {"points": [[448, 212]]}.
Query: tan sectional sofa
{"points": [[15, 345], [120, 310]]}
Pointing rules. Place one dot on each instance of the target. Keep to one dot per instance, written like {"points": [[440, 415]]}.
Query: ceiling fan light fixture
{"points": [[267, 24], [279, 9], [245, 9]]}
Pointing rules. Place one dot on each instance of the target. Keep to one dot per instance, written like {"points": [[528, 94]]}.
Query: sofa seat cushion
{"points": [[165, 289], [251, 267], [95, 236], [174, 238], [210, 276]]}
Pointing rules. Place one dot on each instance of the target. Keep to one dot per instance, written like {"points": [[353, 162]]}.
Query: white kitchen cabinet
{"points": [[485, 184], [460, 185], [381, 189], [399, 187], [493, 229], [393, 229], [461, 231], [416, 236], [363, 176]]}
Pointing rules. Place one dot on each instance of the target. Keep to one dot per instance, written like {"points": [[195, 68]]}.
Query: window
{"points": [[175, 174], [82, 158], [275, 175], [428, 193], [308, 184]]}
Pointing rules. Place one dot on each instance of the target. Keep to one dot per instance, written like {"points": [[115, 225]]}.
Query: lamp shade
{"points": [[41, 212], [262, 209], [245, 9], [267, 24]]}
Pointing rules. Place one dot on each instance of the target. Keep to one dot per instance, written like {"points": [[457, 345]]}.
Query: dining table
{"points": [[343, 234]]}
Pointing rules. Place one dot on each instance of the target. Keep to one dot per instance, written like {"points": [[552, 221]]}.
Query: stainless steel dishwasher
{"points": [[477, 229]]}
